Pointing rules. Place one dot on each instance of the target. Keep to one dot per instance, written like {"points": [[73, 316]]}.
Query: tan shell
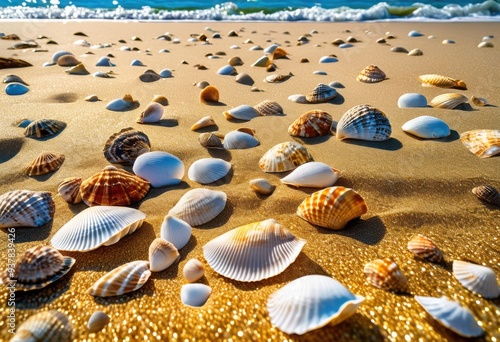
{"points": [[268, 107], [160, 99], [478, 101], [205, 121], [484, 143], [152, 113], [433, 80], [193, 270], [235, 61], [67, 61], [209, 94], [45, 162], [78, 69], [97, 321], [386, 275], [313, 123], [126, 145], [45, 326], [448, 101], [210, 140], [284, 157], [162, 254], [424, 248], [262, 186], [371, 74], [277, 78], [488, 194], [69, 189]]}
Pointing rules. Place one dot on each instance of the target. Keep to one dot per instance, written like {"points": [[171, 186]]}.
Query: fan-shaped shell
{"points": [[159, 168], [175, 230], [412, 100], [44, 163], [268, 107], [208, 170], [67, 61], [14, 79], [424, 248], [321, 93], [43, 128], [284, 157], [385, 274], [242, 112], [104, 61], [263, 62], [205, 121], [152, 113], [69, 189], [123, 279], [38, 267], [313, 175], [311, 302], [487, 193], [484, 143], [253, 252], [193, 270], [313, 123], [239, 140], [277, 78], [162, 254], [476, 278], [16, 89], [45, 326], [371, 74], [261, 186], [448, 101], [365, 123], [209, 94], [427, 127], [26, 208], [97, 321], [78, 69], [123, 104], [244, 79], [199, 206], [210, 140], [451, 314], [195, 295], [433, 80]]}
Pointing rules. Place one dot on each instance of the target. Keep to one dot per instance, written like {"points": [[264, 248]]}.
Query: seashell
{"points": [[412, 100], [328, 59], [476, 278], [448, 101], [160, 99], [320, 72], [277, 78], [242, 112], [485, 45], [484, 143], [365, 123], [332, 207], [101, 74], [175, 231], [136, 62], [209, 94], [92, 98], [69, 189], [268, 107], [451, 314], [313, 175], [199, 206], [298, 98], [488, 194], [162, 254], [448, 41], [263, 62], [126, 145], [271, 68], [371, 74], [415, 52], [14, 79], [97, 321], [45, 326], [235, 61], [381, 41], [159, 168], [97, 226], [284, 157], [262, 186], [227, 70], [386, 275], [149, 76], [414, 33], [16, 89], [427, 127], [479, 101], [256, 48], [303, 39], [193, 270], [23, 123], [81, 42], [313, 123], [253, 252], [43, 128], [125, 48], [399, 49], [195, 295], [44, 163], [105, 61], [123, 279], [78, 69], [208, 170], [202, 84], [338, 42], [26, 208], [67, 61], [244, 79], [321, 93], [269, 51], [433, 80], [210, 140], [424, 248], [152, 113], [166, 73], [235, 140], [311, 302], [205, 121], [38, 267], [58, 55], [118, 105]]}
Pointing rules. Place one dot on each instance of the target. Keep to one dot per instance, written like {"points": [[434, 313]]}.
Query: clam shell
{"points": [[484, 143], [149, 76], [244, 79], [242, 112], [415, 52], [175, 231], [311, 302], [165, 73], [67, 61], [485, 45], [208, 170], [209, 94], [97, 321], [162, 254], [263, 62], [92, 98], [45, 326], [195, 295], [69, 189], [434, 80], [123, 279], [399, 49], [371, 74], [414, 33], [298, 98], [205, 121], [199, 206], [160, 99], [284, 157], [152, 113], [126, 145], [235, 140], [78, 69], [193, 270], [159, 168], [44, 163], [488, 194], [313, 175], [123, 104], [268, 107], [427, 127], [43, 128], [364, 122], [235, 61], [412, 100], [253, 252], [328, 59], [313, 123], [58, 55], [451, 314], [386, 275], [210, 140], [14, 79], [478, 101], [26, 208], [277, 78], [16, 89], [38, 267], [424, 248], [321, 93], [227, 70], [261, 186], [476, 278], [448, 101], [104, 61]]}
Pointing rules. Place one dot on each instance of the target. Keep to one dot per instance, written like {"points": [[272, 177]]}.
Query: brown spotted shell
{"points": [[424, 248], [484, 143], [284, 157], [488, 194], [386, 275], [268, 107], [433, 80], [209, 94], [69, 189], [313, 123], [43, 128], [46, 326], [126, 145], [321, 93], [44, 163], [371, 74]]}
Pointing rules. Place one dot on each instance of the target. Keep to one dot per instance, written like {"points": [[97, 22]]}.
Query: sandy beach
{"points": [[411, 186]]}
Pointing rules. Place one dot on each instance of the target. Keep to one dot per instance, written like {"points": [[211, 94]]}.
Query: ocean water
{"points": [[264, 10]]}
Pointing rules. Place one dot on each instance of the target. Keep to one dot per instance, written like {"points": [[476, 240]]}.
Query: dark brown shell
{"points": [[313, 123], [43, 128], [126, 145], [488, 194], [45, 162]]}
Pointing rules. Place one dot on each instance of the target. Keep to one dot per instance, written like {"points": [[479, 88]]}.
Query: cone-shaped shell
{"points": [[45, 326], [364, 122], [433, 80], [448, 101], [476, 278], [208, 170], [44, 163], [371, 74], [97, 321], [175, 231], [205, 121], [69, 189], [209, 94], [321, 93], [123, 279], [195, 295], [263, 61], [311, 302], [427, 127], [484, 143], [313, 175], [112, 186], [26, 208], [284, 157], [487, 193], [118, 105], [451, 314], [261, 186], [67, 61], [162, 254], [424, 248], [199, 206], [268, 107], [78, 69], [242, 112], [386, 275], [193, 270], [152, 113], [38, 267], [277, 78], [43, 128], [210, 140], [159, 168], [313, 123], [239, 140], [253, 252]]}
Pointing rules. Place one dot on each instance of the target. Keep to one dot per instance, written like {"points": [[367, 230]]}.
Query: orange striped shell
{"points": [[431, 80], [284, 157], [424, 248], [45, 162], [371, 74], [386, 275], [313, 123]]}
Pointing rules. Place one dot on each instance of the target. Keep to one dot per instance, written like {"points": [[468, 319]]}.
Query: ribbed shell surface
{"points": [[441, 81], [476, 278], [236, 140], [284, 157], [424, 248], [69, 189], [126, 145], [364, 122], [488, 194], [44, 163], [43, 128], [176, 231], [311, 124], [199, 206], [484, 143], [448, 100], [208, 170], [26, 208], [268, 107], [371, 74], [321, 93], [385, 274], [46, 326]]}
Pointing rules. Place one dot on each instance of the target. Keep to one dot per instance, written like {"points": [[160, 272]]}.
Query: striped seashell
{"points": [[313, 123], [484, 143], [235, 140], [97, 321], [38, 267], [487, 193], [209, 94], [451, 315], [175, 231], [69, 189], [205, 121], [263, 62], [208, 170], [67, 61], [268, 107], [26, 208], [476, 278], [195, 295], [162, 254], [448, 101], [14, 79], [210, 140], [125, 146], [152, 113], [193, 270], [199, 206], [321, 93], [427, 127], [284, 157], [277, 78], [433, 80], [44, 163], [97, 226], [479, 101], [245, 79], [159, 168], [311, 302], [242, 112], [386, 275], [43, 128], [123, 279], [424, 248], [78, 69], [298, 98], [112, 186], [45, 326], [160, 99], [253, 252], [371, 74], [119, 105], [261, 186], [235, 61], [364, 122], [313, 175]]}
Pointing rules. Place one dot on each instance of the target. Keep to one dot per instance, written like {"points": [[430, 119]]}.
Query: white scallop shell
{"points": [[451, 315], [298, 98], [199, 206], [195, 295], [412, 100], [104, 61], [284, 157], [193, 270], [311, 302], [328, 59], [239, 140], [97, 226], [227, 70], [476, 278], [159, 168], [118, 105], [208, 170], [427, 127], [176, 231], [242, 112], [313, 175], [162, 254]]}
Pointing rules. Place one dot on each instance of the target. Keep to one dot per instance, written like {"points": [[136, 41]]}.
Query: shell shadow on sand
{"points": [[392, 144], [10, 147], [454, 135], [370, 231]]}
